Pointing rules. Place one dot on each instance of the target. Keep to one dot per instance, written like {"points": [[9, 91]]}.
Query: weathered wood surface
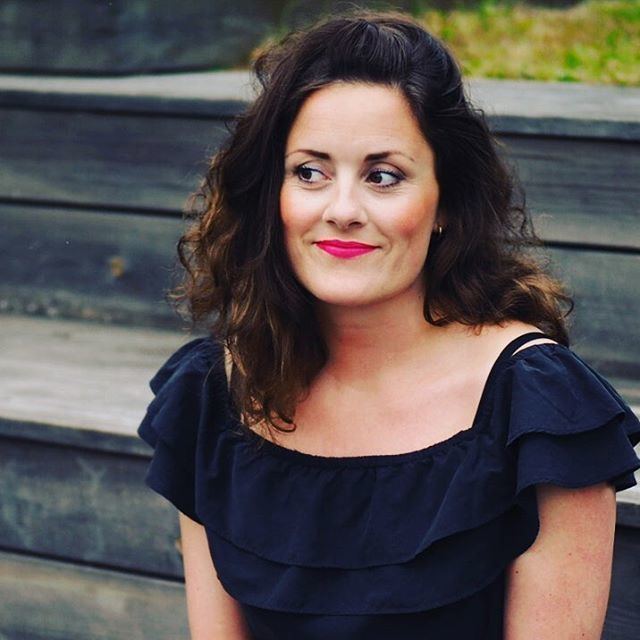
{"points": [[110, 266], [623, 613], [212, 94], [104, 160], [606, 321], [125, 36], [559, 108], [628, 502], [513, 106], [48, 600], [85, 505], [79, 374], [48, 488], [94, 378], [580, 191]]}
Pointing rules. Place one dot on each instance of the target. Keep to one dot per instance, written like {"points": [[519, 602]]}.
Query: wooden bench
{"points": [[92, 178]]}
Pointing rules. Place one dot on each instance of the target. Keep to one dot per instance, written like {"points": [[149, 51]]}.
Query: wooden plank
{"points": [[79, 374], [559, 108], [48, 600], [512, 106], [628, 502], [580, 191], [104, 159], [606, 321], [86, 506], [118, 442], [623, 614], [130, 36], [213, 94], [108, 266], [108, 367]]}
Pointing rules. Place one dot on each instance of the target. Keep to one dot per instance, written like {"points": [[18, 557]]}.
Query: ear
{"points": [[440, 223]]}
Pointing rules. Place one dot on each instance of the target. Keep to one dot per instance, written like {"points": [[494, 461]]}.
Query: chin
{"points": [[342, 296]]}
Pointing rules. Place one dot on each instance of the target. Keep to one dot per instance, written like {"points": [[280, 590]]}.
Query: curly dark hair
{"points": [[481, 270]]}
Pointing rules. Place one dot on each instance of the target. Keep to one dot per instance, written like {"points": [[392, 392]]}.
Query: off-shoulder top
{"points": [[394, 547]]}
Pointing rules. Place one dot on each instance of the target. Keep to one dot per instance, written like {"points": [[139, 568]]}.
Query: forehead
{"points": [[355, 113]]}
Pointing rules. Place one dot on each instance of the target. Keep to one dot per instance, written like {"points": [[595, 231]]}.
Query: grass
{"points": [[596, 41]]}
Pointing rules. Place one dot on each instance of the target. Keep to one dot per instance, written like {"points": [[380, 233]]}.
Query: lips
{"points": [[342, 249]]}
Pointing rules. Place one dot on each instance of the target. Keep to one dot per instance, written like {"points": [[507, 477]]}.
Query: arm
{"points": [[559, 588], [213, 613]]}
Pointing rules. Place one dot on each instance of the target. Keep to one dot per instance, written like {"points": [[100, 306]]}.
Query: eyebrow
{"points": [[380, 155]]}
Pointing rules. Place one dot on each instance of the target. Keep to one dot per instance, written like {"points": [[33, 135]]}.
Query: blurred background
{"points": [[109, 112]]}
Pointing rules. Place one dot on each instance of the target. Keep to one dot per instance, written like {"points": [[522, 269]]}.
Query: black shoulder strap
{"points": [[505, 354], [516, 343]]}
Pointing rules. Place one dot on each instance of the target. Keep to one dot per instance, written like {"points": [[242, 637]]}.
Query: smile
{"points": [[341, 249]]}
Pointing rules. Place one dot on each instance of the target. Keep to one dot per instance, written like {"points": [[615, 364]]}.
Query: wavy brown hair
{"points": [[238, 278]]}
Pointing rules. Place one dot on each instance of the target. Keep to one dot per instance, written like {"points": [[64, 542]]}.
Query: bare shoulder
{"points": [[473, 351], [494, 338]]}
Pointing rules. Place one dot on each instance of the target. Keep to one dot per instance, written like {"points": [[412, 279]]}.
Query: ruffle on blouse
{"points": [[295, 532], [173, 422]]}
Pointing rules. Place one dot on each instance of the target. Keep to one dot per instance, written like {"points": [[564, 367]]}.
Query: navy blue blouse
{"points": [[403, 546]]}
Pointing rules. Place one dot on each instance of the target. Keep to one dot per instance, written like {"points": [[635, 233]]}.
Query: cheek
{"points": [[294, 211], [286, 207], [414, 220]]}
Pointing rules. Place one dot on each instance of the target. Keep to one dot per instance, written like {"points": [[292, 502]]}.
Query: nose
{"points": [[345, 208]]}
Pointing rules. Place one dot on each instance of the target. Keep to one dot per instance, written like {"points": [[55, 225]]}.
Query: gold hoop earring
{"points": [[439, 229]]}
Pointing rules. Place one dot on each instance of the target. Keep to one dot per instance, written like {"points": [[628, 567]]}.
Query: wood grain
{"points": [[87, 506], [79, 374], [108, 266], [580, 191], [606, 321], [623, 614], [129, 36], [49, 600], [104, 159]]}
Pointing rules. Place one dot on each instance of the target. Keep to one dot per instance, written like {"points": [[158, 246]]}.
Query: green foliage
{"points": [[594, 41]]}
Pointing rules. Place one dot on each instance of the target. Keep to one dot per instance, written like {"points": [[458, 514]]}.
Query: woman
{"points": [[399, 443]]}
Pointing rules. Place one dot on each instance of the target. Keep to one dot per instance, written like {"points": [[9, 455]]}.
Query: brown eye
{"points": [[385, 178], [308, 174]]}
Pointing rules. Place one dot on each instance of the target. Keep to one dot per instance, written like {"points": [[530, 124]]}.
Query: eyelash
{"points": [[398, 176]]}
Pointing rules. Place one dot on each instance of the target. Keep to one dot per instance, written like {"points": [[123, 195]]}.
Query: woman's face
{"points": [[359, 198]]}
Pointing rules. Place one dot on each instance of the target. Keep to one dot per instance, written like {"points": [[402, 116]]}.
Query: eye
{"points": [[385, 178], [308, 174]]}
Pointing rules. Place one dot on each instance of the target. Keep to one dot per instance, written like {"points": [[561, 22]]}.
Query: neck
{"points": [[368, 343]]}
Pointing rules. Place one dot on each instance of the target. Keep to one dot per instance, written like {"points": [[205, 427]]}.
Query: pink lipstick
{"points": [[342, 249]]}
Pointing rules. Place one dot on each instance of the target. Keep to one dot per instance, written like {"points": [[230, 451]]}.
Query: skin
{"points": [[389, 372], [390, 203]]}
